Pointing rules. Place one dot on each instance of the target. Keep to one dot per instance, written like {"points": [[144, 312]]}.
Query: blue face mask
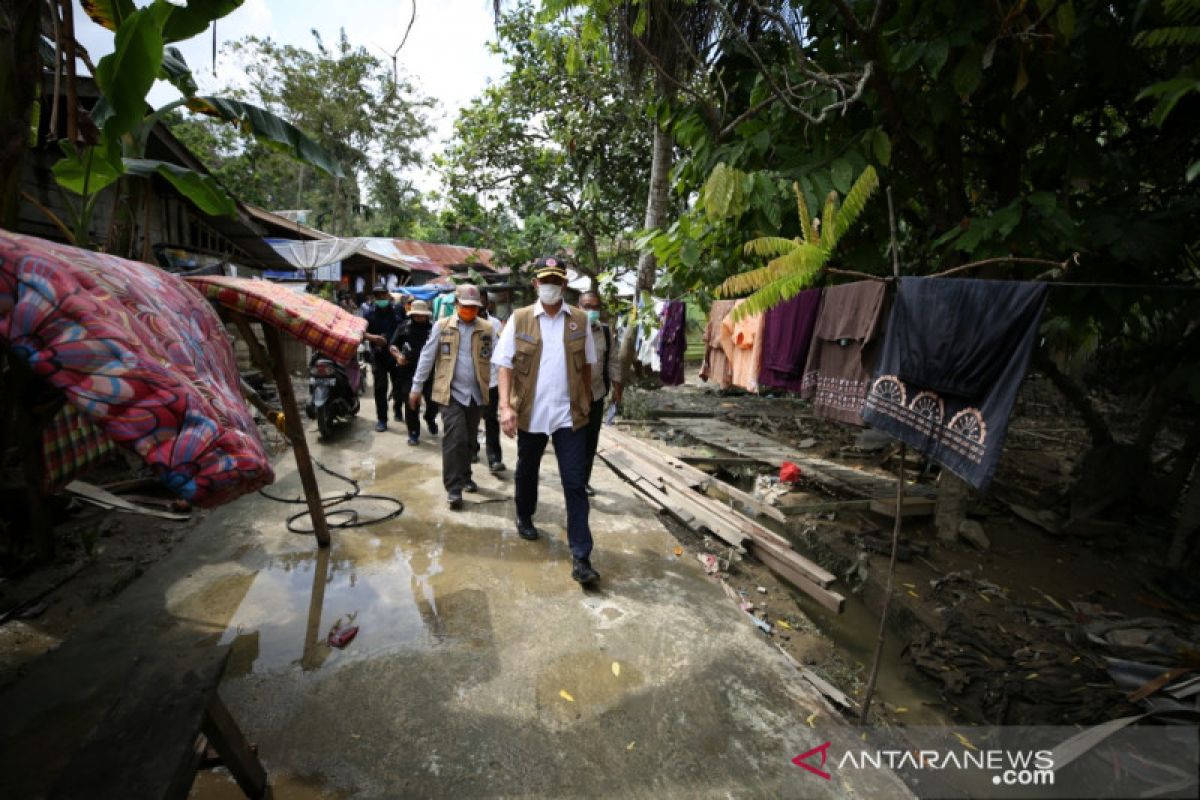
{"points": [[379, 303], [593, 316]]}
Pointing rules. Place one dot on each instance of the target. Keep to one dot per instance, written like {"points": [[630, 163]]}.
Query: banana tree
{"points": [[795, 263], [141, 55]]}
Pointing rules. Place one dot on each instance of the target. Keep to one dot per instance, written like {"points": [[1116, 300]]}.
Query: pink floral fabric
{"points": [[139, 354]]}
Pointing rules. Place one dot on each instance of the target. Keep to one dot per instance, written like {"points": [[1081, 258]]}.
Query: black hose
{"points": [[353, 520]]}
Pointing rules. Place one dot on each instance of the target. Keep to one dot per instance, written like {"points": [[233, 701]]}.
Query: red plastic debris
{"points": [[788, 472], [340, 637]]}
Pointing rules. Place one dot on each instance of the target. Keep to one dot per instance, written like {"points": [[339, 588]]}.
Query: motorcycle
{"points": [[333, 391]]}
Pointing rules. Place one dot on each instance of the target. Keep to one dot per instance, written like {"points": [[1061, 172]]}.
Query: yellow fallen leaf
{"points": [[565, 695], [901, 710], [911, 585], [1031, 676], [631, 744], [616, 669], [678, 551], [810, 720], [985, 597], [783, 623], [911, 593], [964, 741]]}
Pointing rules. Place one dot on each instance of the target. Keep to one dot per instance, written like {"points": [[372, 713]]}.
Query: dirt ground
{"points": [[992, 635]]}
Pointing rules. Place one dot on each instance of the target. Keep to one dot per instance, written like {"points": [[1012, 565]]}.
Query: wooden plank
{"points": [[698, 477], [913, 507], [295, 432], [728, 524], [227, 739], [144, 747], [721, 461], [782, 563], [832, 505]]}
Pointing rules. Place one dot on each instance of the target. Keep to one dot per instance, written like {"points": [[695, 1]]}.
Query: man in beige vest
{"points": [[545, 355], [459, 353]]}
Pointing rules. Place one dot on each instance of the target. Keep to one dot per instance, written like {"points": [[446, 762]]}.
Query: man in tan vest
{"points": [[459, 353], [545, 356]]}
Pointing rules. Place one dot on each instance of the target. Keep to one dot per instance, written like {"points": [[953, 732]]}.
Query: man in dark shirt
{"points": [[383, 319], [405, 348]]}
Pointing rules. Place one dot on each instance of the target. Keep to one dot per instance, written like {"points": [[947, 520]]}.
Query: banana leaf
{"points": [[273, 130]]}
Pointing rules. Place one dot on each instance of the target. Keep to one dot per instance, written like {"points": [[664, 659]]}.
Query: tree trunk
{"points": [[951, 508], [20, 68], [1077, 396], [656, 212]]}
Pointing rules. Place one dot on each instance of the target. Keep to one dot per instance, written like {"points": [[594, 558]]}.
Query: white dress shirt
{"points": [[552, 397]]}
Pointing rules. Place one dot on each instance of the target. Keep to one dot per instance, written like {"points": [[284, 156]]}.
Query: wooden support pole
{"points": [[887, 595], [295, 432]]}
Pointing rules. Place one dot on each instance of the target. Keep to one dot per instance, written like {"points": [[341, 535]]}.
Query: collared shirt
{"points": [[464, 387], [552, 395]]}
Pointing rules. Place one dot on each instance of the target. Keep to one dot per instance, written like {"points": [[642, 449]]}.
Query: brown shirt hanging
{"points": [[844, 347]]}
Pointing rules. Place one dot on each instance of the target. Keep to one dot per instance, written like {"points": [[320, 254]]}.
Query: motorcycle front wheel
{"points": [[325, 420]]}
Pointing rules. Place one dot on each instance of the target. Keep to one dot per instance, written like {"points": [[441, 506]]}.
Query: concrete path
{"points": [[480, 668]]}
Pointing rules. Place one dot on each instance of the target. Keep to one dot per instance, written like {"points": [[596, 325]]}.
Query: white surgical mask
{"points": [[550, 294]]}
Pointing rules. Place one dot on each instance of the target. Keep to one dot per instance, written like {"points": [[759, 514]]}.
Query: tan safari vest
{"points": [[527, 359], [447, 354]]}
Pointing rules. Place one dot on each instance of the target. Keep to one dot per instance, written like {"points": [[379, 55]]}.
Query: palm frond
{"points": [[1182, 10], [1174, 36], [856, 201], [770, 246], [807, 233], [805, 258], [778, 291], [829, 221]]}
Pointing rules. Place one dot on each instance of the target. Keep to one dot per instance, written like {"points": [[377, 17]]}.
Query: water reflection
{"points": [[387, 588]]}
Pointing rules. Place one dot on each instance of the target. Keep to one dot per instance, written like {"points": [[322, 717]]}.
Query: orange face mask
{"points": [[468, 313]]}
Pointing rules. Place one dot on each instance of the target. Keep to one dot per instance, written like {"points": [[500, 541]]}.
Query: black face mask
{"points": [[420, 323]]}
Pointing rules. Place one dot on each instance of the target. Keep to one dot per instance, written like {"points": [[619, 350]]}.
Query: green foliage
{"points": [[269, 129], [362, 121], [798, 262], [557, 138], [203, 190]]}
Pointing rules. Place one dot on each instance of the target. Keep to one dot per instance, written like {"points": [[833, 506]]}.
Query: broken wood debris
{"points": [[672, 486]]}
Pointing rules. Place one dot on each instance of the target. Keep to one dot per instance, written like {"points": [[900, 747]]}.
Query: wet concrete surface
{"points": [[479, 669]]}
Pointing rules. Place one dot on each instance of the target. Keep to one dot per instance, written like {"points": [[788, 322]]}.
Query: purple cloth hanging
{"points": [[787, 333], [672, 343]]}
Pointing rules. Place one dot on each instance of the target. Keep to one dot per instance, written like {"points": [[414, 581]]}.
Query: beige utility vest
{"points": [[447, 355], [527, 360]]}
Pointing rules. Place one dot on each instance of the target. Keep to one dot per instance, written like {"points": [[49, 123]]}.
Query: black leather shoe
{"points": [[582, 571], [454, 499], [590, 491], [432, 426], [470, 486], [526, 530], [496, 466]]}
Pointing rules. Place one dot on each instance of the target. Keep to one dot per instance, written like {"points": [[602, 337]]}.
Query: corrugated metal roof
{"points": [[444, 255]]}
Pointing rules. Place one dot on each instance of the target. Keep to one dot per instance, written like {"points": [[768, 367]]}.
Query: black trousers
{"points": [[570, 446], [412, 416], [380, 375], [461, 427], [491, 429], [595, 420]]}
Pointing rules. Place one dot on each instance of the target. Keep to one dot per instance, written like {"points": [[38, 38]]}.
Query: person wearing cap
{"points": [[545, 355], [383, 318], [406, 346], [459, 356], [607, 374], [491, 412]]}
